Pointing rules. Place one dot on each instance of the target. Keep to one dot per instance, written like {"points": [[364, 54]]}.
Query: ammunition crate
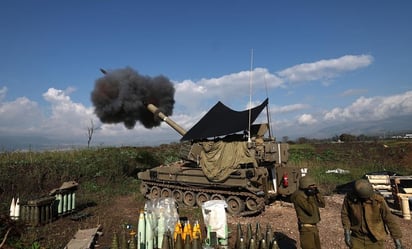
{"points": [[39, 211], [65, 201]]}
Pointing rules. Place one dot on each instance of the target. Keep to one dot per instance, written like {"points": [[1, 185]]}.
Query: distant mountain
{"points": [[381, 128], [33, 143], [40, 143]]}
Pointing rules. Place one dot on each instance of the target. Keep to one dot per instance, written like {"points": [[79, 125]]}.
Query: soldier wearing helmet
{"points": [[307, 200], [365, 217]]}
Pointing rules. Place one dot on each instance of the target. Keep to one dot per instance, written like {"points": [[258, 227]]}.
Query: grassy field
{"points": [[106, 173], [358, 158]]}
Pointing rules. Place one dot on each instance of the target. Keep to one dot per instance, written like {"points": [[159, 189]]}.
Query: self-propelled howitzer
{"points": [[220, 161]]}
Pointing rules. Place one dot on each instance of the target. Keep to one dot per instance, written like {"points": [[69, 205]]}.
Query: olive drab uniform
{"points": [[366, 218], [307, 205]]}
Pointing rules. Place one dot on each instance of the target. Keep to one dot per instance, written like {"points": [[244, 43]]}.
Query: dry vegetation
{"points": [[118, 205]]}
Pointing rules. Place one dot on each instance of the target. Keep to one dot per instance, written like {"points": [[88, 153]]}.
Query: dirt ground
{"points": [[280, 215]]}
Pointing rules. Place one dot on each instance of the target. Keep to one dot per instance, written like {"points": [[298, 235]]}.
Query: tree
{"points": [[347, 137], [302, 140], [362, 137], [336, 138], [90, 131]]}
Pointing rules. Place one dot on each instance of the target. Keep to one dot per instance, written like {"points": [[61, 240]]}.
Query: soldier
{"points": [[307, 201], [365, 217]]}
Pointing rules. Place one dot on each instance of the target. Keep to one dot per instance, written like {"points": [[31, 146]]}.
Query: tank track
{"points": [[243, 195]]}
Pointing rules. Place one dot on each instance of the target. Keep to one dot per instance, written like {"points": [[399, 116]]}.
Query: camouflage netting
{"points": [[220, 159]]}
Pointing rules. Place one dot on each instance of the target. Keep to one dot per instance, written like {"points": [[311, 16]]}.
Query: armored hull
{"points": [[247, 172], [246, 189], [189, 186]]}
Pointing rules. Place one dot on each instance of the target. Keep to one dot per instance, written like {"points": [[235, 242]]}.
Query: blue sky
{"points": [[328, 67]]}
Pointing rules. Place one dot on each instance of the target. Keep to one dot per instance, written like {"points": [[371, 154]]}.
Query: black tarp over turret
{"points": [[221, 120]]}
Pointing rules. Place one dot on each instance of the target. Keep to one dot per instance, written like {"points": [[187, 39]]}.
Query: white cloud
{"points": [[189, 87], [19, 116], [306, 119], [192, 95], [325, 69], [351, 92], [225, 88], [68, 120], [374, 108], [56, 96], [67, 116], [289, 108]]}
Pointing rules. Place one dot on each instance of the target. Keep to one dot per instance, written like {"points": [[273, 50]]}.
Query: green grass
{"points": [[357, 158], [101, 170]]}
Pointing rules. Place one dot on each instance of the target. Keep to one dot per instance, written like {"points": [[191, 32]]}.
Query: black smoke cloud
{"points": [[122, 95]]}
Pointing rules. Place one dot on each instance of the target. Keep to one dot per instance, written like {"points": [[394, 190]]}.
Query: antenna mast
{"points": [[268, 111], [250, 94]]}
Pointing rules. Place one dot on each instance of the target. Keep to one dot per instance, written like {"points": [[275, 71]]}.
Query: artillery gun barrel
{"points": [[152, 108]]}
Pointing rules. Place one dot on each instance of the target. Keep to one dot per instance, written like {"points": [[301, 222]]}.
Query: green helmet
{"points": [[306, 181], [363, 188]]}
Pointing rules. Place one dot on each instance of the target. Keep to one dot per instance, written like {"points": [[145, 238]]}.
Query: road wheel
{"points": [[189, 198], [251, 204], [154, 192], [201, 198], [178, 195], [166, 192], [235, 205]]}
